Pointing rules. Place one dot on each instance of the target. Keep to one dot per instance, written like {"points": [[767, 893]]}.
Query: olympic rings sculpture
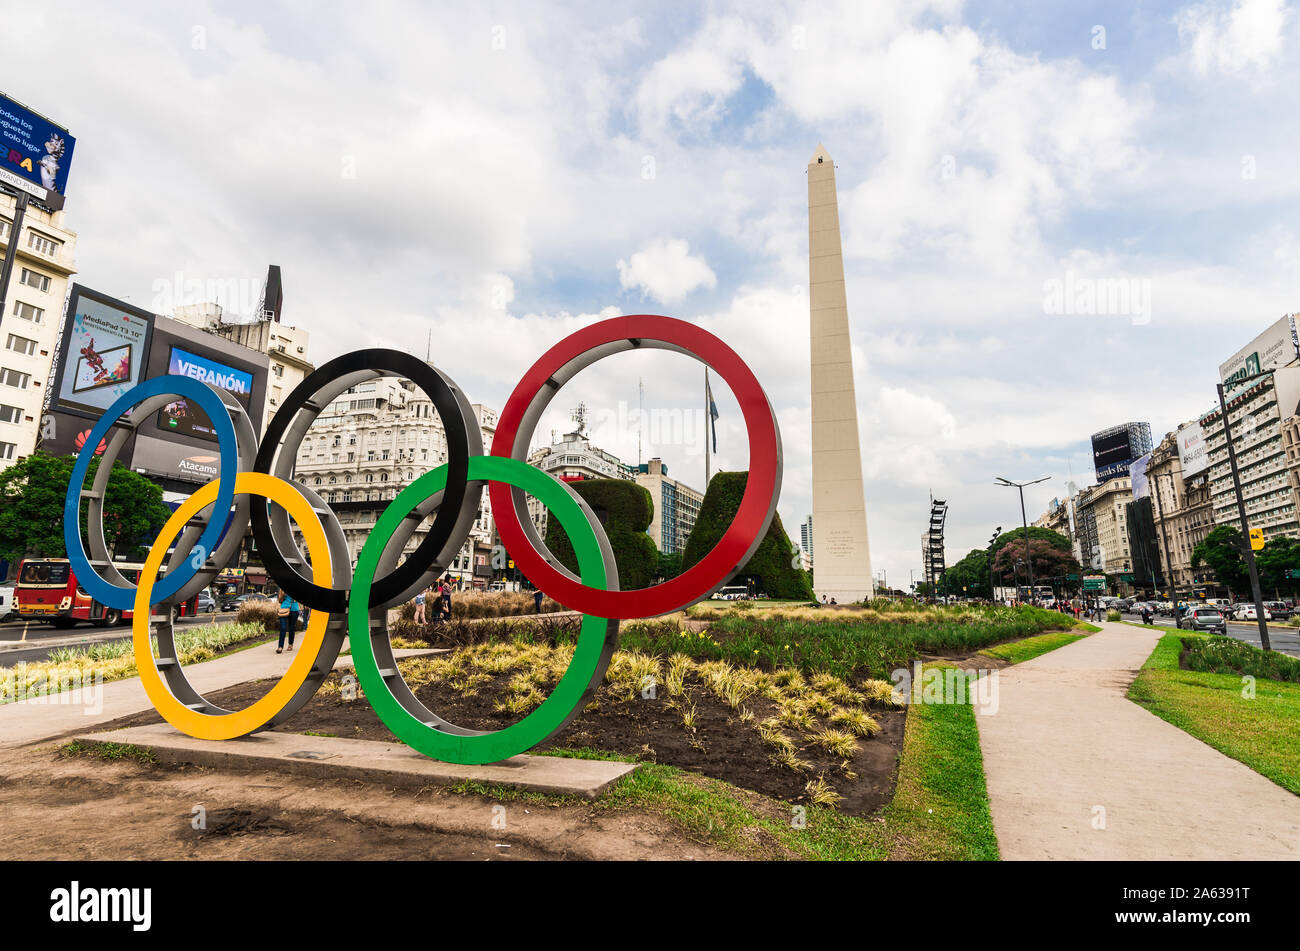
{"points": [[255, 490]]}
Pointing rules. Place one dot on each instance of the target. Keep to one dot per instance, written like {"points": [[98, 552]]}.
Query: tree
{"points": [[33, 493], [774, 564], [972, 574], [1052, 538], [625, 510], [1221, 551], [670, 564], [1047, 560], [1277, 557]]}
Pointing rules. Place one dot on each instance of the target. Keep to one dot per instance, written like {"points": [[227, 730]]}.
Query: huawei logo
{"points": [[80, 442]]}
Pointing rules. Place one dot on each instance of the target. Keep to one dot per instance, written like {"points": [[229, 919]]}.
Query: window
{"points": [[278, 370], [10, 414], [35, 279], [10, 377], [21, 344], [38, 242], [26, 311], [7, 450]]}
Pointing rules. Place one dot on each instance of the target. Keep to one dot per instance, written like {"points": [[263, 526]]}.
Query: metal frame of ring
{"points": [[173, 695], [146, 398], [377, 671], [536, 390], [278, 454]]}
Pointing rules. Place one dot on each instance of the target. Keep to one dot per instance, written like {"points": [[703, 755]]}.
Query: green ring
{"points": [[582, 671]]}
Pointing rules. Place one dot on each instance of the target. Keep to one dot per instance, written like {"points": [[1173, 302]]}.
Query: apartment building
{"points": [[1182, 511], [677, 506], [1104, 527], [32, 321], [374, 440]]}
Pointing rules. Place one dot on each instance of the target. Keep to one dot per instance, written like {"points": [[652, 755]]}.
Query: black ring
{"points": [[457, 426]]}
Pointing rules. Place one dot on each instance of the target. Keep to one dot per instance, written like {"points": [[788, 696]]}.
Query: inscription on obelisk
{"points": [[842, 568]]}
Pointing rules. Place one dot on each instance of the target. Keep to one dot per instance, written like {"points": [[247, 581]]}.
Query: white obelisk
{"points": [[842, 567]]}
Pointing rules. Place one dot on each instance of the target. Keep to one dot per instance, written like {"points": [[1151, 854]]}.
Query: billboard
{"points": [[178, 416], [1111, 453], [35, 154], [1137, 471], [104, 351], [1191, 450], [64, 434], [176, 443], [1275, 347]]}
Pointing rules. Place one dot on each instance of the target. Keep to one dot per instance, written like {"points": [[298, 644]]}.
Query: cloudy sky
{"points": [[500, 178]]}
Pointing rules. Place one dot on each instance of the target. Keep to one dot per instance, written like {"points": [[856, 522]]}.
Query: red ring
{"points": [[752, 518]]}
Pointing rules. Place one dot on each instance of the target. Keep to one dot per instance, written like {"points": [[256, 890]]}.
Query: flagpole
{"points": [[707, 420]]}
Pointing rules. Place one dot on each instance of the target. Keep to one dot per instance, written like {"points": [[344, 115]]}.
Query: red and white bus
{"points": [[47, 590]]}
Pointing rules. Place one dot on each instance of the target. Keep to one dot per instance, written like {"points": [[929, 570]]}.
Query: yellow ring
{"points": [[227, 726]]}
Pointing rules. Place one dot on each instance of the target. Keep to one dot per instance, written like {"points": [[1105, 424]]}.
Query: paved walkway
{"points": [[1065, 749], [30, 721]]}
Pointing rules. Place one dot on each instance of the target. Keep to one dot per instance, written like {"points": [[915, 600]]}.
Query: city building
{"points": [[572, 459], [1102, 523], [806, 537], [1182, 512], [1056, 518], [285, 346], [839, 503], [677, 506], [1114, 449], [32, 321], [1256, 412], [374, 440]]}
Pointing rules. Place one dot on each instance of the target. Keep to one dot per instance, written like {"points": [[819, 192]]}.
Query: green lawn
{"points": [[1263, 732], [1018, 652]]}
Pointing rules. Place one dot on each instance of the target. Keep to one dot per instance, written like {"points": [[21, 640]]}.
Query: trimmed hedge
{"points": [[772, 564], [625, 509]]}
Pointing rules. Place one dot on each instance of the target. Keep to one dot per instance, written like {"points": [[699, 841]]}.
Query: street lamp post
{"points": [[1024, 519], [992, 541], [1241, 512]]}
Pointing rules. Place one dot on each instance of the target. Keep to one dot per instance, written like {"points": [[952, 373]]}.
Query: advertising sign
{"points": [[1191, 450], [178, 416], [1275, 347], [105, 347], [1111, 453], [1137, 471], [35, 154], [64, 434]]}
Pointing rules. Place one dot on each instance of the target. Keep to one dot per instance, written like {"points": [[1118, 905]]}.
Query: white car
{"points": [[7, 602], [1246, 612]]}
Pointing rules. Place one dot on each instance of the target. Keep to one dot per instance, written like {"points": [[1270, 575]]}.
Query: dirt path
{"points": [[1077, 771], [55, 806]]}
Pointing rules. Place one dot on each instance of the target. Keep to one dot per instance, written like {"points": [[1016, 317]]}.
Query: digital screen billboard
{"points": [[1111, 453], [179, 416], [35, 154], [105, 347]]}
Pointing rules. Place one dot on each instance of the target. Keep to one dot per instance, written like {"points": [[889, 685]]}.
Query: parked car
{"points": [[1203, 619], [1279, 609], [206, 603], [234, 604]]}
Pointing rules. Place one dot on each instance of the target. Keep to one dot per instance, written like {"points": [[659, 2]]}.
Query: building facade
{"points": [[1182, 511], [1255, 416], [806, 537], [677, 506], [32, 322], [1104, 527], [373, 441]]}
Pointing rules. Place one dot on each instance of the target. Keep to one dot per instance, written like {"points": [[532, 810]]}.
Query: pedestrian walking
{"points": [[419, 608], [537, 602], [445, 592], [289, 610]]}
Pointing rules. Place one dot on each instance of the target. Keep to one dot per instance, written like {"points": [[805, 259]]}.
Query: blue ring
{"points": [[102, 591]]}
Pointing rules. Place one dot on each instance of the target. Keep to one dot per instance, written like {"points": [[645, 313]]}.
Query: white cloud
{"points": [[666, 270], [1232, 40]]}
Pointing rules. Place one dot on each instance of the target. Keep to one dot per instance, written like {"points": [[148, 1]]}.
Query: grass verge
{"points": [[1019, 651], [1260, 730], [111, 751]]}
